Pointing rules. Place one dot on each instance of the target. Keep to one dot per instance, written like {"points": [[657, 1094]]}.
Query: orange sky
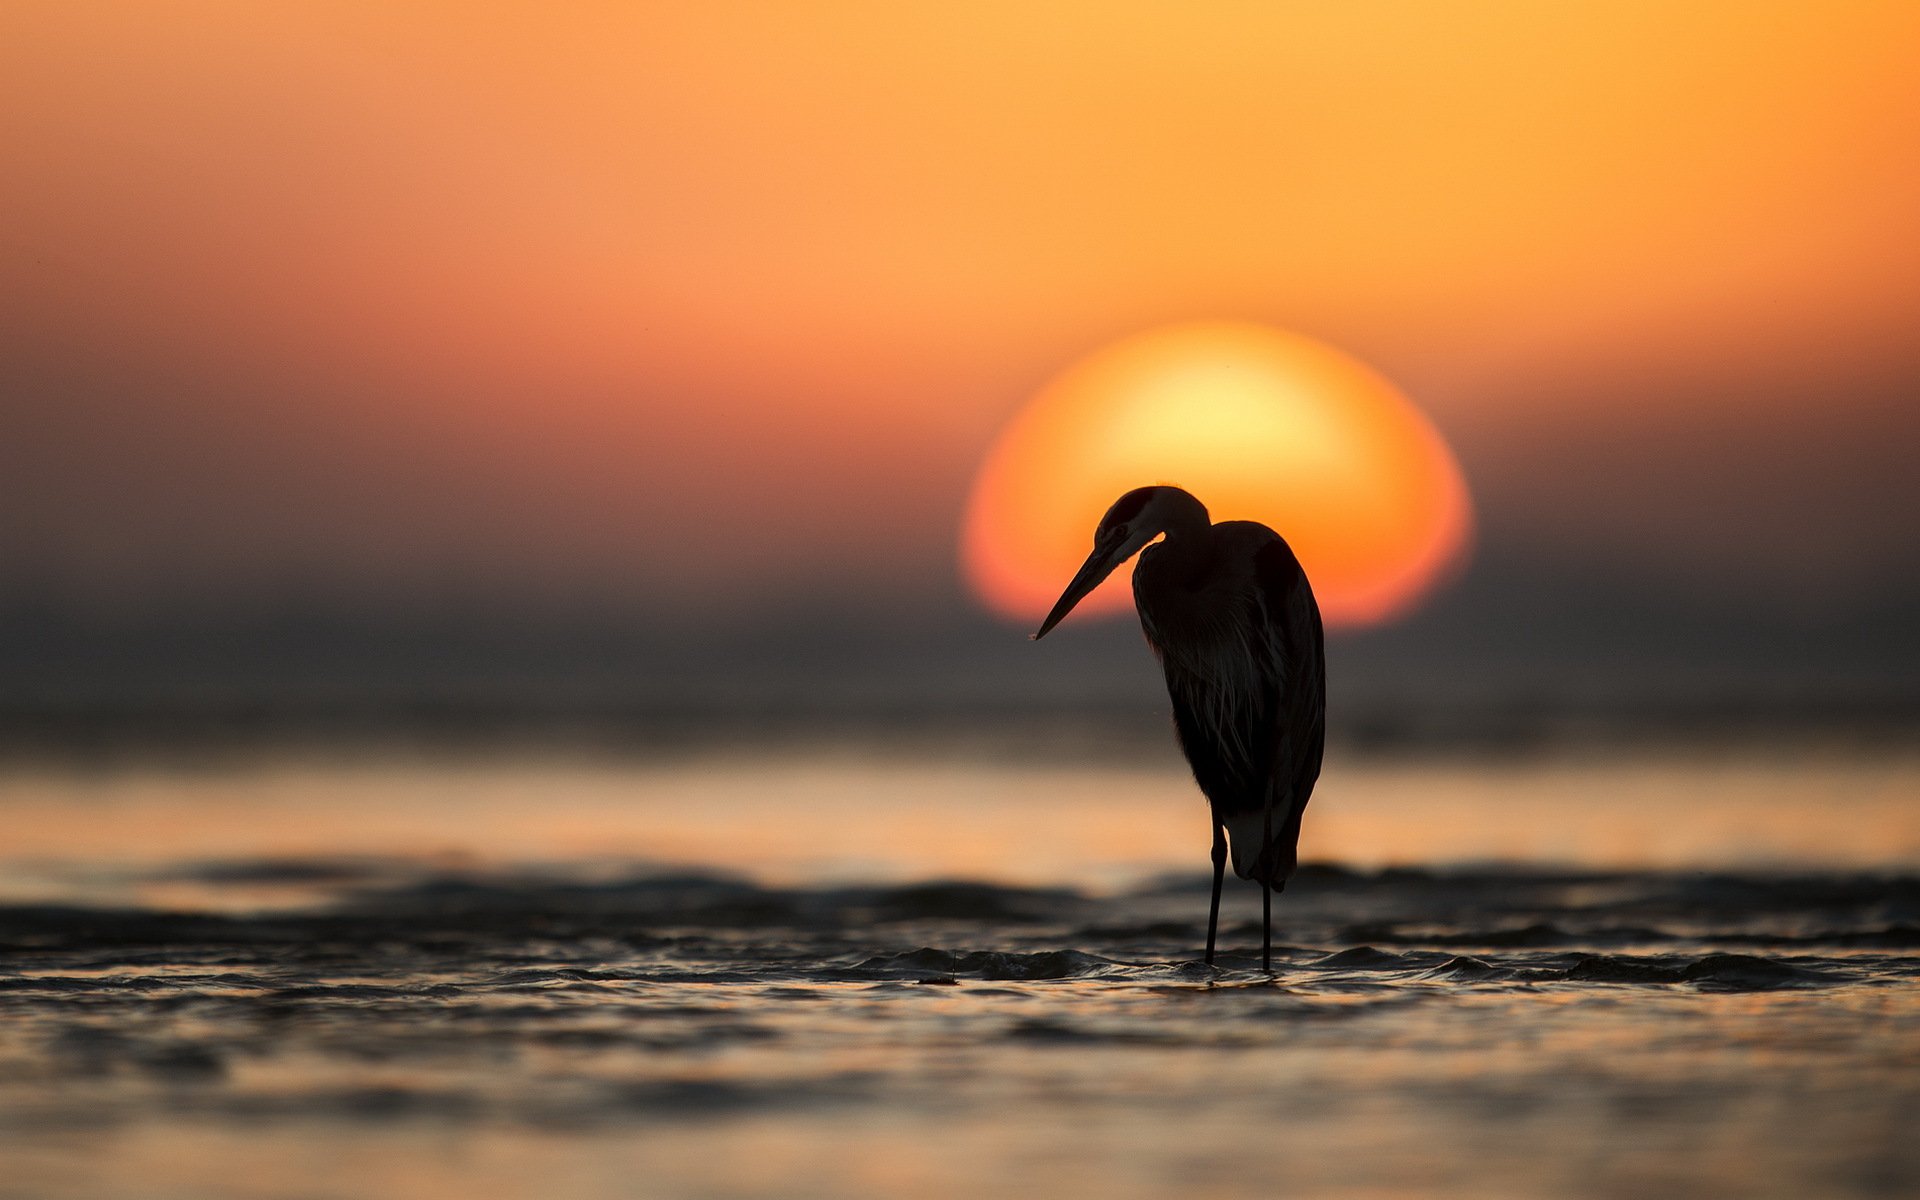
{"points": [[714, 300]]}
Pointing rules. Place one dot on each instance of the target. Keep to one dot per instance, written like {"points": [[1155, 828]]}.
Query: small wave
{"points": [[1467, 969], [1148, 931], [984, 964], [1616, 968], [1363, 958], [962, 901], [1890, 937], [1745, 973], [537, 977], [1715, 972], [1536, 934]]}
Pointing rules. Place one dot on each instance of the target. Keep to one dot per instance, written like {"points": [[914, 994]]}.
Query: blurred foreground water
{"points": [[821, 975]]}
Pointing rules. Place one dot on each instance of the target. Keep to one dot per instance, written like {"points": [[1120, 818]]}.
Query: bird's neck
{"points": [[1185, 550], [1189, 534]]}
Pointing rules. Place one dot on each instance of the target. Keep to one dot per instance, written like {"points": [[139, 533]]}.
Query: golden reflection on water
{"points": [[821, 817], [806, 1046], [1569, 1092]]}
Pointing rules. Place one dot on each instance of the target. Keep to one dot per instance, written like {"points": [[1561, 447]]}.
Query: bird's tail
{"points": [[1263, 843]]}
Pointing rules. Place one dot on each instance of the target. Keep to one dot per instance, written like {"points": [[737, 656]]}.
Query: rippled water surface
{"points": [[315, 1019]]}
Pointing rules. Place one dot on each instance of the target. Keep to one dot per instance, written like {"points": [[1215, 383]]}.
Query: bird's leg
{"points": [[1219, 870], [1266, 896], [1266, 927]]}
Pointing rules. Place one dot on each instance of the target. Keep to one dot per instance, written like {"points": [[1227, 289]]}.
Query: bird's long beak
{"points": [[1092, 573]]}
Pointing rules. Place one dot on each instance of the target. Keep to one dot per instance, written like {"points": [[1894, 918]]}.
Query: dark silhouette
{"points": [[1232, 619]]}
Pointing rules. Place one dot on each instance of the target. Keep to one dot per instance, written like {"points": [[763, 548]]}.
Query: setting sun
{"points": [[1262, 425]]}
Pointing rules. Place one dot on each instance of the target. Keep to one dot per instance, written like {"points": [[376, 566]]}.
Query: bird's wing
{"points": [[1300, 716], [1246, 673], [1223, 731]]}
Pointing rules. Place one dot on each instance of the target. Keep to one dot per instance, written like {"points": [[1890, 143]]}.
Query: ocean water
{"points": [[836, 976]]}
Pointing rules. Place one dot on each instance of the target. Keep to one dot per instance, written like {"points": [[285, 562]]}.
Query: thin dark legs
{"points": [[1266, 928], [1219, 869], [1213, 909], [1266, 896]]}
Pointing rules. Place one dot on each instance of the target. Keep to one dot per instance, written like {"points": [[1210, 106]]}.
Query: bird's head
{"points": [[1135, 519]]}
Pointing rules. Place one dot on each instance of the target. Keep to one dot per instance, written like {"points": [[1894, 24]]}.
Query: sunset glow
{"points": [[1261, 425], [555, 305]]}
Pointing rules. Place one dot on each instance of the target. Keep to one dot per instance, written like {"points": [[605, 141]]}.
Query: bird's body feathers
{"points": [[1229, 614]]}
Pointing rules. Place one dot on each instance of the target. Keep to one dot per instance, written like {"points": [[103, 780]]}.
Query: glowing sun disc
{"points": [[1261, 425]]}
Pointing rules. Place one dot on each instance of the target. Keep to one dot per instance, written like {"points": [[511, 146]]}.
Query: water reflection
{"points": [[394, 981], [823, 817]]}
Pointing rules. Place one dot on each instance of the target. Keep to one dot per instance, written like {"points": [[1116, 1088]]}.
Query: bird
{"points": [[1229, 613]]}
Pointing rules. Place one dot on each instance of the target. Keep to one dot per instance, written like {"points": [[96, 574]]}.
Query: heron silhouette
{"points": [[1232, 619]]}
